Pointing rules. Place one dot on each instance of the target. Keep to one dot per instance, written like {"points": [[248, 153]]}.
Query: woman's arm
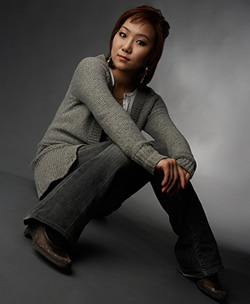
{"points": [[160, 126], [89, 85]]}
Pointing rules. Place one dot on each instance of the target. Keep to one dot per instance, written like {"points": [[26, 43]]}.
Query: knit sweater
{"points": [[89, 108]]}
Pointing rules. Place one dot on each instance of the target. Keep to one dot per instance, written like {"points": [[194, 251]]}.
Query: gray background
{"points": [[203, 76]]}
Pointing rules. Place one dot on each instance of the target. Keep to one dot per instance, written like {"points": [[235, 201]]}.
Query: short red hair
{"points": [[161, 27]]}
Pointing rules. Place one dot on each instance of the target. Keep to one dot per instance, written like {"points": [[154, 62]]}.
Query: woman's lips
{"points": [[123, 58]]}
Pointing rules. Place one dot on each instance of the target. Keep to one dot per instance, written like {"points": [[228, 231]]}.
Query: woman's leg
{"points": [[100, 174], [196, 249]]}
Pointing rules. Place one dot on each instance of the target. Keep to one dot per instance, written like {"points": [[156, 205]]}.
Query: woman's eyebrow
{"points": [[141, 35]]}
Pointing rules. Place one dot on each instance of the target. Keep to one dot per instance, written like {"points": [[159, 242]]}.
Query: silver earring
{"points": [[144, 75]]}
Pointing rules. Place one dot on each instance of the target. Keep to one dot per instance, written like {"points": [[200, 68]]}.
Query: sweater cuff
{"points": [[188, 164], [148, 158]]}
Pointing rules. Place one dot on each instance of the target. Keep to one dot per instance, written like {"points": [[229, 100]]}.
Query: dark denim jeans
{"points": [[101, 180]]}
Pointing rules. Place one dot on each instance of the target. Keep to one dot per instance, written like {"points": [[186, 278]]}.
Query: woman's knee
{"points": [[115, 155]]}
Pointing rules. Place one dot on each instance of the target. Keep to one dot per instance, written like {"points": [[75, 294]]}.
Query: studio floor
{"points": [[124, 259]]}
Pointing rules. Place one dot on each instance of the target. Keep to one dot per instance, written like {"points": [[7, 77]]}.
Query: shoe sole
{"points": [[28, 234]]}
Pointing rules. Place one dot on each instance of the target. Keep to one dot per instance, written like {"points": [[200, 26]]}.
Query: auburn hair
{"points": [[161, 26]]}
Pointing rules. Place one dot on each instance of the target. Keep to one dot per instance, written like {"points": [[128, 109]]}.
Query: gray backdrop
{"points": [[203, 76]]}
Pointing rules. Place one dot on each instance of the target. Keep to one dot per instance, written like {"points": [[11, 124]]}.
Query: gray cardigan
{"points": [[88, 109]]}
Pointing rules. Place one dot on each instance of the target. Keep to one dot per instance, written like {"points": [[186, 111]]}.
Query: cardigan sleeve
{"points": [[160, 126], [89, 86]]}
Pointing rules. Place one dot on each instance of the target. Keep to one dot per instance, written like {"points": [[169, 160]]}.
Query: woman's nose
{"points": [[127, 48]]}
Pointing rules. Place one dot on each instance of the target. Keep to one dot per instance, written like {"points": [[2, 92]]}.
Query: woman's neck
{"points": [[123, 82]]}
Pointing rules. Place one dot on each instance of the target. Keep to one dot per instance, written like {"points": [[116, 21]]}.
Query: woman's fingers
{"points": [[173, 181], [170, 174], [182, 177], [174, 176]]}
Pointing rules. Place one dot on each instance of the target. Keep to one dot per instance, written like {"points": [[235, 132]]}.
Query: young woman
{"points": [[94, 156]]}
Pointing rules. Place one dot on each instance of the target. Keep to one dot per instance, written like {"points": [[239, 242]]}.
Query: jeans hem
{"points": [[202, 274], [31, 217]]}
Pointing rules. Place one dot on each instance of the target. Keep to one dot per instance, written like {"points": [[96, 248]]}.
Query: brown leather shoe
{"points": [[44, 246], [212, 288]]}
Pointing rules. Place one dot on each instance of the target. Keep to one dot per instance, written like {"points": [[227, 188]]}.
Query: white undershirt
{"points": [[128, 98]]}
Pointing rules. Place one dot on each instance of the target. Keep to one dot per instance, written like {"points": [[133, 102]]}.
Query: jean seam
{"points": [[199, 254]]}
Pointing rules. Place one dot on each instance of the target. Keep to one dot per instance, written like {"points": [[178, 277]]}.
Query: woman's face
{"points": [[132, 46]]}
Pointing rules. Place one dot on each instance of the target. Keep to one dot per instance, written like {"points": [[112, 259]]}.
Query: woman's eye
{"points": [[122, 35], [140, 42]]}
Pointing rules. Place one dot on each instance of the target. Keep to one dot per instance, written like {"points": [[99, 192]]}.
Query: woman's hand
{"points": [[174, 176]]}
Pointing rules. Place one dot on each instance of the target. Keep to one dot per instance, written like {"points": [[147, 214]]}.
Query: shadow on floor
{"points": [[127, 258]]}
